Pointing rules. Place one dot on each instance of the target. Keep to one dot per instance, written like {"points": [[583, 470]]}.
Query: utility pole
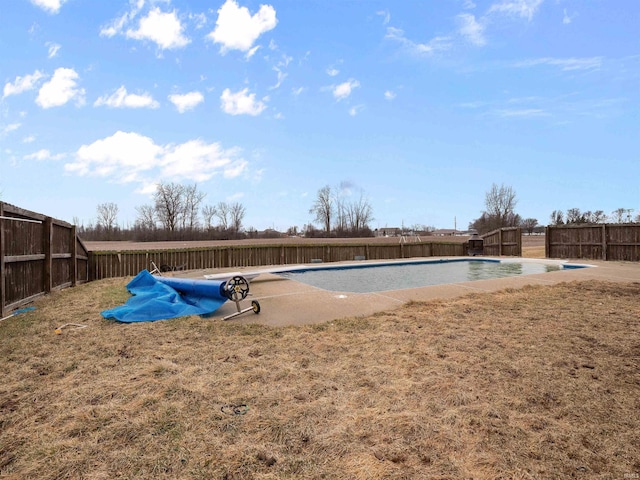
{"points": [[455, 225]]}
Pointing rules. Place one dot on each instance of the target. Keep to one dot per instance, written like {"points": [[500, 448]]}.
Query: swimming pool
{"points": [[380, 277]]}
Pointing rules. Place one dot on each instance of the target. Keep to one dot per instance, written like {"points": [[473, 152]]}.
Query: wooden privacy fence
{"points": [[594, 242], [504, 241], [128, 263], [38, 254]]}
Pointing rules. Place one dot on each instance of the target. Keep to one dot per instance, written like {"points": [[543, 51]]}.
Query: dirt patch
{"points": [[540, 382]]}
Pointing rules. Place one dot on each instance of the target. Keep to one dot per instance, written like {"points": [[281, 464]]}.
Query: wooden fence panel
{"points": [[623, 242], [107, 264], [37, 254], [594, 242], [503, 242]]}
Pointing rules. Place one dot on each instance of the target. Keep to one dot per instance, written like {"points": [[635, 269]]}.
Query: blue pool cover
{"points": [[161, 298]]}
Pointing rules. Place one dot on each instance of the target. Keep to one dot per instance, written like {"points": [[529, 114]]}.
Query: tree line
{"points": [[500, 203], [178, 212], [574, 216], [340, 214]]}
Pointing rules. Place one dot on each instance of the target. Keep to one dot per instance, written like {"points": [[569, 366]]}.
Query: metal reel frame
{"points": [[236, 289]]}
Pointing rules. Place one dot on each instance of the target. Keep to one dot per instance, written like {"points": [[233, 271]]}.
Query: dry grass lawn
{"points": [[542, 382]]}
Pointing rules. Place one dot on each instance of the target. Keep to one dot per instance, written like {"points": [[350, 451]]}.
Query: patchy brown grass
{"points": [[533, 246], [541, 382]]}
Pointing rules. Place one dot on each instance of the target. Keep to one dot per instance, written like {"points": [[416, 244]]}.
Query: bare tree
{"points": [[191, 203], [169, 205], [618, 215], [107, 214], [208, 212], [236, 214], [341, 194], [222, 212], [557, 217], [146, 218], [574, 216], [529, 224], [359, 214], [599, 217], [340, 213], [323, 208], [500, 203], [623, 215]]}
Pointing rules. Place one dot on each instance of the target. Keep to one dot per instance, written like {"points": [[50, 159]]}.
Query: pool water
{"points": [[398, 276]]}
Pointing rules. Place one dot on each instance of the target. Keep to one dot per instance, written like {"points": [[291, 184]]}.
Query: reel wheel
{"points": [[237, 288], [255, 306]]}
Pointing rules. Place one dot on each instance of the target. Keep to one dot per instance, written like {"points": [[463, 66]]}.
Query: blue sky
{"points": [[418, 105]]}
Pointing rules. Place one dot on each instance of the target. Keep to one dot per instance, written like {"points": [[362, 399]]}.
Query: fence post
{"points": [[74, 257], [604, 242], [47, 245], [500, 242], [2, 272], [547, 242]]}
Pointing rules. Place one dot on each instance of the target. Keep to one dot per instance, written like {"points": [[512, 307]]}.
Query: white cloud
{"points": [[297, 91], [566, 19], [468, 4], [122, 155], [162, 28], [522, 113], [389, 95], [518, 8], [281, 76], [355, 110], [471, 29], [42, 155], [476, 104], [332, 71], [129, 157], [565, 64], [60, 89], [199, 19], [233, 171], [29, 139], [237, 29], [386, 16], [187, 101], [199, 161], [51, 6], [22, 84], [342, 91], [54, 48], [121, 99], [251, 52], [12, 127], [118, 25], [241, 102], [435, 45]]}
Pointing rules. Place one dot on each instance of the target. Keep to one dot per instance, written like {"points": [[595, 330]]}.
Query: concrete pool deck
{"points": [[287, 302]]}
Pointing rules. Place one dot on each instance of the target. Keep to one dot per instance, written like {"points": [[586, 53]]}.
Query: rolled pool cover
{"points": [[161, 298]]}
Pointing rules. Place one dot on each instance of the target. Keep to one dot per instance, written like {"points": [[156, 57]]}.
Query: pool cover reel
{"points": [[162, 298]]}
